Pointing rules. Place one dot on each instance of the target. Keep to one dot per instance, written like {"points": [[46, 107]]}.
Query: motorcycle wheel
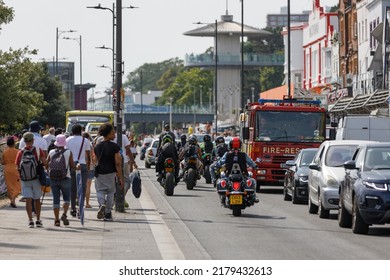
{"points": [[236, 210], [191, 179], [169, 184], [206, 174]]}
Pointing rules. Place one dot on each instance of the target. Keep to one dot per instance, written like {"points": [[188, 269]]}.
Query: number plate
{"points": [[192, 161], [235, 199], [169, 169]]}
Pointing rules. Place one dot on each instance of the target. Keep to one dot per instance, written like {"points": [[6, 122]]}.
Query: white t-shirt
{"points": [[66, 155], [125, 143], [39, 142], [49, 137], [73, 143]]}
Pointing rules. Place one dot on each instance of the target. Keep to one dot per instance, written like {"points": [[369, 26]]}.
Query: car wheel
{"points": [[286, 197], [358, 225], [324, 213], [313, 209], [344, 218], [294, 198]]}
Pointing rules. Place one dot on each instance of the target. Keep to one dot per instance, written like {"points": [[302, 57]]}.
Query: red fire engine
{"points": [[275, 130]]}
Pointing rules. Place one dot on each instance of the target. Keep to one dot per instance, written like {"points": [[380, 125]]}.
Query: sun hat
{"points": [[28, 137], [60, 140]]}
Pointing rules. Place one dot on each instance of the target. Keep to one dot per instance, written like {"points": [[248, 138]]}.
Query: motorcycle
{"points": [[190, 175], [206, 158], [168, 176], [235, 192]]}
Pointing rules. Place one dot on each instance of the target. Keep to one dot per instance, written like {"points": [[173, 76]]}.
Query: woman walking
{"points": [[11, 174], [60, 162]]}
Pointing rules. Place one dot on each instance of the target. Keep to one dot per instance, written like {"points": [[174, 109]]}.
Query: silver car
{"points": [[327, 174], [150, 154]]}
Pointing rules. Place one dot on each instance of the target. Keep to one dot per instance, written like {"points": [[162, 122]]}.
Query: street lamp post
{"points": [[79, 41], [200, 98], [253, 94], [242, 55], [110, 105], [170, 112], [58, 34], [194, 109], [215, 26], [113, 63]]}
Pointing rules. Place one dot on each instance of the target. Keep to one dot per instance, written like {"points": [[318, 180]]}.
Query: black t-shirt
{"points": [[105, 152]]}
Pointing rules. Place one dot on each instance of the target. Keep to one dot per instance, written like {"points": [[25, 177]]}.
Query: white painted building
{"points": [[369, 31], [317, 50]]}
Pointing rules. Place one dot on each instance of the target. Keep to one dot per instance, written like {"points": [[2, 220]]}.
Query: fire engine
{"points": [[275, 130]]}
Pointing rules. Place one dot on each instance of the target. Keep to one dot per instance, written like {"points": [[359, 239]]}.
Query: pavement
{"points": [[138, 234]]}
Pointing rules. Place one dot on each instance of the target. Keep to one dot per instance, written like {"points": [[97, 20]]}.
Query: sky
{"points": [[151, 33]]}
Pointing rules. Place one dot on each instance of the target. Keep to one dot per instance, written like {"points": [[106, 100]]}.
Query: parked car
{"points": [[296, 176], [150, 154], [327, 173], [145, 144], [365, 194]]}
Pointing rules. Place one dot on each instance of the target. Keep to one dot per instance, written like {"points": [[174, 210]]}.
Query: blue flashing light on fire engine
{"points": [[286, 101]]}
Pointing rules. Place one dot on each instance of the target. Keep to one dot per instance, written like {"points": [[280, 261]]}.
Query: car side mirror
{"points": [[314, 166], [290, 163], [350, 164]]}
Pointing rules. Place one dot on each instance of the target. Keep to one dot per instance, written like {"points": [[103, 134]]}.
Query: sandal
{"points": [[65, 220], [57, 223]]}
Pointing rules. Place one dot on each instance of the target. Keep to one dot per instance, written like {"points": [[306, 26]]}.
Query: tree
{"points": [[151, 74], [6, 13], [20, 102]]}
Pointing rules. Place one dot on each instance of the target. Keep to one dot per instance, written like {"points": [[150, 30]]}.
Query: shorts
{"points": [[31, 189], [91, 174]]}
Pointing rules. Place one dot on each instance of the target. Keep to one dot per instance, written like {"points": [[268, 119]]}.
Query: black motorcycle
{"points": [[235, 191], [168, 176], [190, 174]]}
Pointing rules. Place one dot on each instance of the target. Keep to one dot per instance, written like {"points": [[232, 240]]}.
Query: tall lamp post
{"points": [[113, 75], [79, 41], [170, 112], [253, 94], [58, 34], [242, 56], [99, 7], [215, 26], [113, 63]]}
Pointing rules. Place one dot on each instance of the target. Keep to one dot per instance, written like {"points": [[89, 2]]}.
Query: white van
{"points": [[364, 127]]}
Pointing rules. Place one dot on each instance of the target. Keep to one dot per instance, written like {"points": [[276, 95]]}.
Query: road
{"points": [[271, 230]]}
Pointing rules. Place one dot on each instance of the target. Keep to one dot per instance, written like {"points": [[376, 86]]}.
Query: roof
{"points": [[361, 104], [226, 26]]}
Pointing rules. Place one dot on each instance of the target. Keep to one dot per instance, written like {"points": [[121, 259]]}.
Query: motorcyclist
{"points": [[220, 149], [182, 143], [168, 150], [160, 138], [208, 145], [191, 149], [236, 156]]}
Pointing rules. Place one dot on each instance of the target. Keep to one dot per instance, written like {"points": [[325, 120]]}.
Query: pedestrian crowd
{"points": [[71, 162]]}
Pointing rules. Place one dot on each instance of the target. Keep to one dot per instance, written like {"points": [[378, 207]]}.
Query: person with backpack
{"points": [[59, 163], [27, 161]]}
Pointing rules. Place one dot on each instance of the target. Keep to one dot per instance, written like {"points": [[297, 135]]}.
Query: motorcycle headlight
{"points": [[331, 182], [375, 186]]}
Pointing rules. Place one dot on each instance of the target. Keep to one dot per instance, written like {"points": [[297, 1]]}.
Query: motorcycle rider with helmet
{"points": [[168, 150], [191, 149], [220, 149], [236, 156], [160, 138], [208, 145], [183, 142]]}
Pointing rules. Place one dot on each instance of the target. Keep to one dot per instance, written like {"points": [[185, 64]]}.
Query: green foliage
{"points": [[271, 77], [187, 86], [6, 13], [151, 74], [27, 92]]}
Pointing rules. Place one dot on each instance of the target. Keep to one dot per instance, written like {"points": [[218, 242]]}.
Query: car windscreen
{"points": [[337, 155], [307, 157], [377, 158]]}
